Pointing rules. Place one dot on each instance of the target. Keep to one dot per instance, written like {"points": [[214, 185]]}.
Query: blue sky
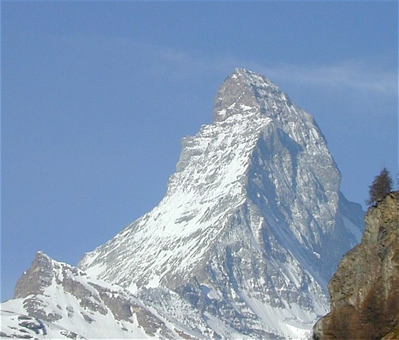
{"points": [[96, 97]]}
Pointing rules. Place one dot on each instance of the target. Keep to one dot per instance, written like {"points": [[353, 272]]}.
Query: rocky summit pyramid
{"points": [[251, 229]]}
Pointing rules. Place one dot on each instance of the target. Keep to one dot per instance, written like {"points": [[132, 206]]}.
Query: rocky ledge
{"points": [[364, 291]]}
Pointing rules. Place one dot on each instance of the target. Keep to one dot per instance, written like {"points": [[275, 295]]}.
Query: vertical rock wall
{"points": [[365, 289]]}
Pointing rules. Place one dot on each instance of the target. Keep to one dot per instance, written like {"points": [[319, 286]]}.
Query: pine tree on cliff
{"points": [[381, 186]]}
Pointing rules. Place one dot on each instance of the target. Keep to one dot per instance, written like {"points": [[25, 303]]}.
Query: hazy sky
{"points": [[96, 97]]}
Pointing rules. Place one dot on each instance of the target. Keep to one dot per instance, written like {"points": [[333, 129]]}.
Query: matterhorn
{"points": [[242, 246]]}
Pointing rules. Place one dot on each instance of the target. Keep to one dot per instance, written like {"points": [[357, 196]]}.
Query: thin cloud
{"points": [[352, 75], [158, 60], [366, 76]]}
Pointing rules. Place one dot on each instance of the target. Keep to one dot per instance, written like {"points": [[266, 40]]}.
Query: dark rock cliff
{"points": [[365, 289]]}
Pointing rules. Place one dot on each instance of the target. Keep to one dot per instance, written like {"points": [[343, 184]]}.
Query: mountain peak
{"points": [[252, 210], [248, 75], [36, 278], [246, 92], [248, 233]]}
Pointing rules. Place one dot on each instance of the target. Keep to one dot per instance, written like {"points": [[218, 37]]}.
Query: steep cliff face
{"points": [[365, 289]]}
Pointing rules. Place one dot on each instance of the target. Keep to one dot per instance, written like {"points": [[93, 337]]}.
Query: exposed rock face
{"points": [[365, 289]]}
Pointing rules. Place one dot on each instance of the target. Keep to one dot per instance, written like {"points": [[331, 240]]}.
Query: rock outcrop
{"points": [[365, 289]]}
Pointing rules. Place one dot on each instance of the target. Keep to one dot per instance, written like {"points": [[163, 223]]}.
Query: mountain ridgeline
{"points": [[250, 231]]}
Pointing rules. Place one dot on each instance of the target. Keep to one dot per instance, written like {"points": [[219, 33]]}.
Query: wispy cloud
{"points": [[365, 76], [354, 75], [362, 75]]}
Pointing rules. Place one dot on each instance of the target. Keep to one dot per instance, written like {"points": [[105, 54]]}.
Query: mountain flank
{"points": [[365, 289]]}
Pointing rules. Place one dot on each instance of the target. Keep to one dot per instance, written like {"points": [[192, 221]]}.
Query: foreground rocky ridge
{"points": [[365, 289], [251, 229]]}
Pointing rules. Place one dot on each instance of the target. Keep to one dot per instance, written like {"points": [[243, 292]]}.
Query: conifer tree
{"points": [[381, 186]]}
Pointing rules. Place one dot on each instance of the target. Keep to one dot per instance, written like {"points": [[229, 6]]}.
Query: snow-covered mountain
{"points": [[55, 300], [251, 229]]}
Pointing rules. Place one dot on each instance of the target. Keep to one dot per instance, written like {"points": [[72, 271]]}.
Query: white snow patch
{"points": [[245, 107], [291, 322]]}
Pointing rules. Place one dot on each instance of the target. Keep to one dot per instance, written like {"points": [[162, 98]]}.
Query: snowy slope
{"points": [[251, 229], [167, 243]]}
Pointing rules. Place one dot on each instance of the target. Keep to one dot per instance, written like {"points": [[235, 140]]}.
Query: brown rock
{"points": [[365, 289]]}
